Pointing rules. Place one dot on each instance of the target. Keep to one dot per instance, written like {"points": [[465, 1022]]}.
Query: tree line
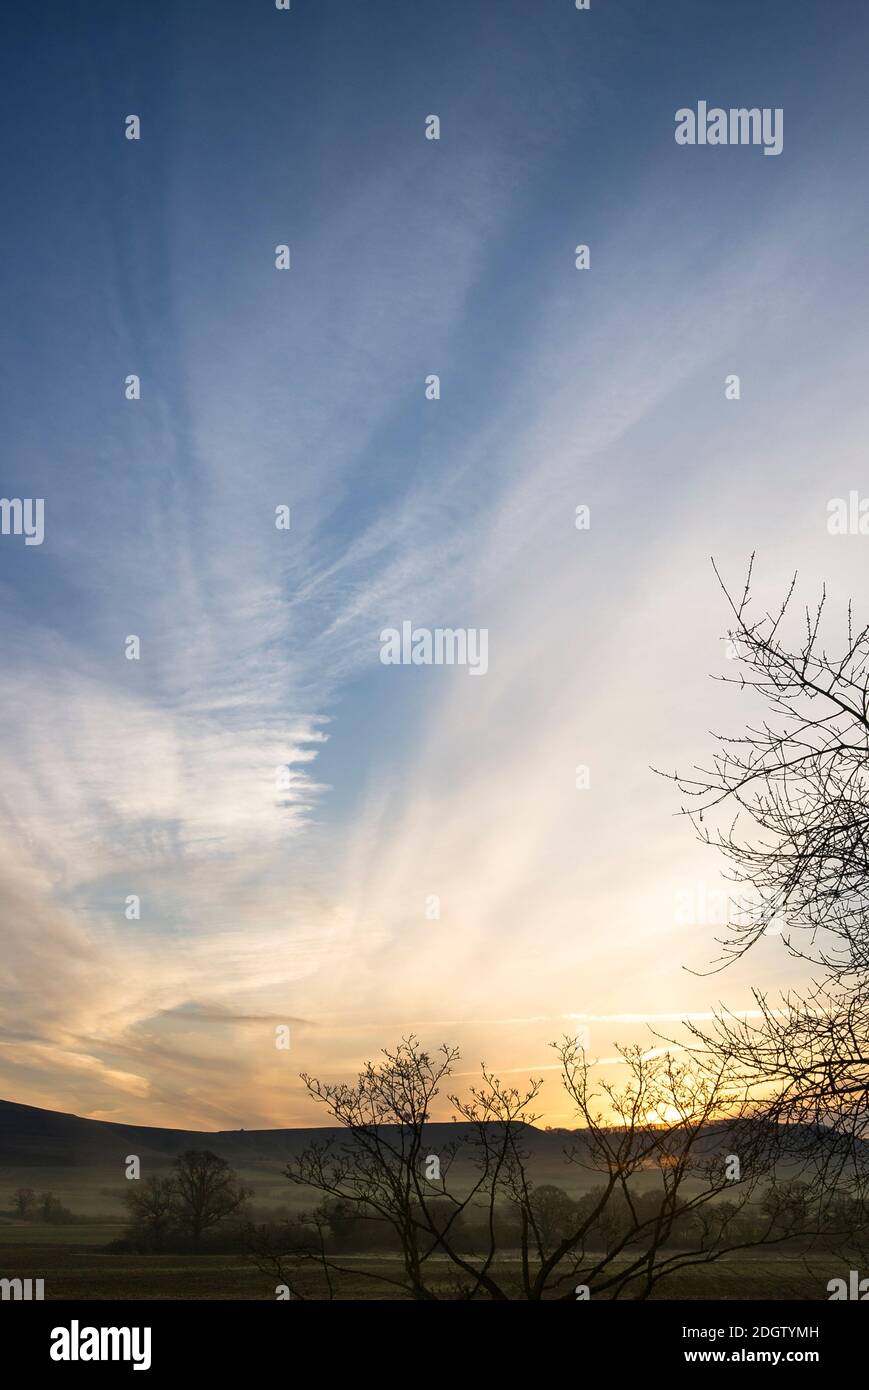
{"points": [[46, 1207]]}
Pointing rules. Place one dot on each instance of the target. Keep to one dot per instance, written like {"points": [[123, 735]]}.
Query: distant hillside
{"points": [[83, 1161], [31, 1137]]}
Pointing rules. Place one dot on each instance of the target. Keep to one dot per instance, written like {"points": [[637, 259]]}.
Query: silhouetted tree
{"points": [[787, 805], [659, 1144], [151, 1206], [554, 1214], [24, 1203], [787, 801], [52, 1210], [205, 1191]]}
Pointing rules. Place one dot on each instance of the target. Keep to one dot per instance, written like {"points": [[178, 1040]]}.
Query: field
{"points": [[75, 1266], [83, 1163]]}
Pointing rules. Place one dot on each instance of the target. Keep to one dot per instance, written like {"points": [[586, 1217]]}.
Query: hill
{"points": [[83, 1160]]}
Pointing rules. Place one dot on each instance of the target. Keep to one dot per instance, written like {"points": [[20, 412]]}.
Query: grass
{"points": [[74, 1267], [20, 1233]]}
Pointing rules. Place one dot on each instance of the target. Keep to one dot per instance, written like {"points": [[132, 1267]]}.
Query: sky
{"points": [[306, 897]]}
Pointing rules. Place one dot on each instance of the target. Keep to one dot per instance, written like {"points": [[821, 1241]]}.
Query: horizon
{"points": [[339, 1129]]}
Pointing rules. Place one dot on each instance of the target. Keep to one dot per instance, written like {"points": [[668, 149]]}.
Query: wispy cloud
{"points": [[302, 899]]}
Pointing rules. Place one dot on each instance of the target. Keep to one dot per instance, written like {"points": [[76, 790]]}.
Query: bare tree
{"points": [[555, 1214], [787, 801], [787, 804], [151, 1206], [24, 1203], [52, 1210], [660, 1148], [205, 1191]]}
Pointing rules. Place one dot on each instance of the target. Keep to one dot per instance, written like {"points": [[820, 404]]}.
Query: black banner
{"points": [[234, 1338]]}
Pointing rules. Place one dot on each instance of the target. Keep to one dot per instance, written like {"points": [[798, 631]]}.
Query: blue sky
{"points": [[260, 647]]}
